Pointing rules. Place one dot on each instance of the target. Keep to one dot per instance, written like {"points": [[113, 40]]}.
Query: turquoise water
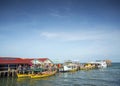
{"points": [[100, 77]]}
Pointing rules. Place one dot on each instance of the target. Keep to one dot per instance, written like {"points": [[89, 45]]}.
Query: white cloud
{"points": [[60, 12], [76, 36], [49, 35], [56, 15]]}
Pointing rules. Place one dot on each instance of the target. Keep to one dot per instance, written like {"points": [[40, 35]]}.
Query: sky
{"points": [[82, 30]]}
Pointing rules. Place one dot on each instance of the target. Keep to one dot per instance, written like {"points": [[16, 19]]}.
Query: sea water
{"points": [[109, 76]]}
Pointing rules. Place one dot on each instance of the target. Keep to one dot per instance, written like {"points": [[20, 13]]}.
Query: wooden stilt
{"points": [[0, 74], [4, 74], [8, 72], [12, 73]]}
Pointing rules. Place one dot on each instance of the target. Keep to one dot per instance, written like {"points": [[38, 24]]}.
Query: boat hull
{"points": [[43, 75], [23, 75], [73, 70], [68, 69]]}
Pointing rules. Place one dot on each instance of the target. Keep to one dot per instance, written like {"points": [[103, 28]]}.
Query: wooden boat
{"points": [[29, 74], [23, 75], [43, 74]]}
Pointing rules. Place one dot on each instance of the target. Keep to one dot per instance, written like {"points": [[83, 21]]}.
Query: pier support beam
{"points": [[0, 74], [8, 73], [13, 72], [4, 74]]}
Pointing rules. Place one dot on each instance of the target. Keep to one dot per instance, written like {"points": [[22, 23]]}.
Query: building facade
{"points": [[8, 63]]}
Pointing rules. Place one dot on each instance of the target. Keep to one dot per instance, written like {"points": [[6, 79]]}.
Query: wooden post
{"points": [[12, 72], [0, 73], [4, 74], [8, 73]]}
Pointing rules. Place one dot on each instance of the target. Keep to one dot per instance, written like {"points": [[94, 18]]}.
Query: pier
{"points": [[11, 73], [9, 65]]}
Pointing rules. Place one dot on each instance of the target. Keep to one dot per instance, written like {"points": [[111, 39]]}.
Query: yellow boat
{"points": [[43, 75], [23, 75]]}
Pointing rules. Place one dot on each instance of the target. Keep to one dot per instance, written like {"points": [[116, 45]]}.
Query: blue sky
{"points": [[84, 30]]}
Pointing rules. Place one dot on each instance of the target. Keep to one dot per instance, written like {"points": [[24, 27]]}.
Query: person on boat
{"points": [[24, 69], [55, 67], [46, 67], [19, 69], [58, 65], [32, 68], [50, 67]]}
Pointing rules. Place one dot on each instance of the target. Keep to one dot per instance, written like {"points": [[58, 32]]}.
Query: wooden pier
{"points": [[11, 73]]}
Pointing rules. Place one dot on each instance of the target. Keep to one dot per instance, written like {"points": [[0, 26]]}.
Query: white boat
{"points": [[68, 68], [100, 64]]}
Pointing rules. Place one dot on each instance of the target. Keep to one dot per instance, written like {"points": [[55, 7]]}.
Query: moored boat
{"points": [[73, 70], [23, 75], [42, 75], [100, 64], [69, 68]]}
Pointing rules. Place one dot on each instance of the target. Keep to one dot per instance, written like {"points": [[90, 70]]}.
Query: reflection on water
{"points": [[8, 81], [34, 82], [103, 77]]}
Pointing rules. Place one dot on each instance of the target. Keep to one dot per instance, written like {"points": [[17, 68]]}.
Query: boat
{"points": [[73, 70], [69, 68], [23, 75], [43, 74], [87, 66], [31, 72], [100, 64]]}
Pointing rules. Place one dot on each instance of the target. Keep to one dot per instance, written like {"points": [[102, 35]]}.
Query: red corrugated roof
{"points": [[42, 59], [12, 60]]}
